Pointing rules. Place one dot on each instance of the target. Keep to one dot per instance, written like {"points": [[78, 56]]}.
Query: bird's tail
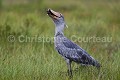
{"points": [[97, 64]]}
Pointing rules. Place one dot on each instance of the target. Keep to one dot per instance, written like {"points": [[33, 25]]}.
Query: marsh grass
{"points": [[39, 60]]}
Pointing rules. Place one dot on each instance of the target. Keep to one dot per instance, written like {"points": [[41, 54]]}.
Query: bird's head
{"points": [[56, 17]]}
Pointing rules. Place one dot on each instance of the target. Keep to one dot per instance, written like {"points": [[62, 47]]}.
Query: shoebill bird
{"points": [[66, 48]]}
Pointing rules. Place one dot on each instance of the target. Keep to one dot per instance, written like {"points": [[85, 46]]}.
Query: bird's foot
{"points": [[70, 74]]}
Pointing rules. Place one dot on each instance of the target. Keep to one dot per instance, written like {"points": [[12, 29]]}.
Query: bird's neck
{"points": [[59, 30]]}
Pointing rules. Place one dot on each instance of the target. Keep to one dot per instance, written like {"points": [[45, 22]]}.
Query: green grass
{"points": [[39, 60]]}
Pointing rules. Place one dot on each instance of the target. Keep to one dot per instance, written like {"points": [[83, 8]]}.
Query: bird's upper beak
{"points": [[53, 14]]}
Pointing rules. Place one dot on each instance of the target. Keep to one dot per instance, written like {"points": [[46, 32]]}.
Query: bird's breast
{"points": [[58, 41]]}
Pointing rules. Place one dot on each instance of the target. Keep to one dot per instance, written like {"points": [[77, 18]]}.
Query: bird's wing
{"points": [[77, 54]]}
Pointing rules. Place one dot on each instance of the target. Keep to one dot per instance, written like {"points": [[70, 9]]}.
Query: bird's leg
{"points": [[69, 67]]}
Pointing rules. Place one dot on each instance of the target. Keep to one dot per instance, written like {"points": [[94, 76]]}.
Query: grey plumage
{"points": [[69, 50]]}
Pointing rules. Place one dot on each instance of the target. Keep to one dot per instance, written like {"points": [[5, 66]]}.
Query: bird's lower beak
{"points": [[53, 14]]}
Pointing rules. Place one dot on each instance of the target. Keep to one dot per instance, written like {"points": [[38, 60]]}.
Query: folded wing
{"points": [[77, 54]]}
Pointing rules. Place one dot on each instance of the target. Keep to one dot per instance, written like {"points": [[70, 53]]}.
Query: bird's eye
{"points": [[60, 14]]}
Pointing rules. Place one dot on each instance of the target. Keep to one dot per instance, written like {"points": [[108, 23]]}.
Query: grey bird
{"points": [[66, 48]]}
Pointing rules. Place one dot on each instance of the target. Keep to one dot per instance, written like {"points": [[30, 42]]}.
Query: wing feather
{"points": [[78, 54]]}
